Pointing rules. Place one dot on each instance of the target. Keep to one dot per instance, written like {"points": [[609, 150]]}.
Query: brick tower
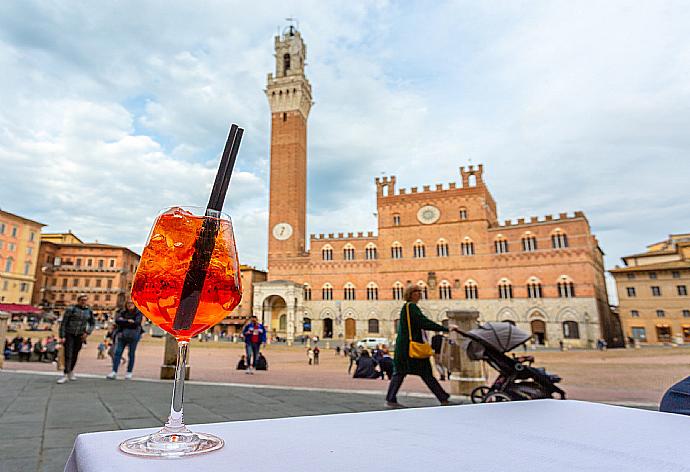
{"points": [[289, 96]]}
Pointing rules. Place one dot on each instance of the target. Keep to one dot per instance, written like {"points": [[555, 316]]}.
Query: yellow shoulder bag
{"points": [[417, 350]]}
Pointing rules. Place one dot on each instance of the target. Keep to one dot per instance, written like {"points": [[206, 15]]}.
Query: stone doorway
{"points": [[539, 331], [350, 328], [328, 328]]}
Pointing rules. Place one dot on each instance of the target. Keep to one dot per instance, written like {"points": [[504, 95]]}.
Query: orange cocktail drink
{"points": [[164, 264]]}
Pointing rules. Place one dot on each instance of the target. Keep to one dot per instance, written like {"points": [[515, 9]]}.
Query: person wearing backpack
{"points": [[76, 325], [128, 322]]}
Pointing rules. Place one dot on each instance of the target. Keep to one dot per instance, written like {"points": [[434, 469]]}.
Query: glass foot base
{"points": [[168, 443]]}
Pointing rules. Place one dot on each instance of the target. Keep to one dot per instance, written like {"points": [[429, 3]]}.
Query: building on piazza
{"points": [[546, 275]]}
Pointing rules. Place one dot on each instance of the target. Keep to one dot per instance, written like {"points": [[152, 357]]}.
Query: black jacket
{"points": [[129, 323]]}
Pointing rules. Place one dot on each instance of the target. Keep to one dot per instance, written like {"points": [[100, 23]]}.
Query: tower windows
{"points": [[566, 287], [372, 291], [327, 292], [445, 291], [286, 62], [396, 251], [284, 116], [307, 292], [425, 291], [349, 252], [467, 247], [463, 213], [396, 220], [529, 242], [419, 250], [327, 253], [505, 289], [442, 248], [349, 291], [370, 252], [501, 245], [398, 291], [559, 240], [471, 290]]}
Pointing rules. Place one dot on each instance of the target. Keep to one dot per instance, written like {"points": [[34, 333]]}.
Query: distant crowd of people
{"points": [[41, 350]]}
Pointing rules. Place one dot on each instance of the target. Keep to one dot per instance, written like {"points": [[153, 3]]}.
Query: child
{"points": [[101, 350]]}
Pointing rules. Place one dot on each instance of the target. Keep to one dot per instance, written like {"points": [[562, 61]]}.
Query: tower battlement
{"points": [[471, 178]]}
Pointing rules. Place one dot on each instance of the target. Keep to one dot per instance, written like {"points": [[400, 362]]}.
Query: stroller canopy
{"points": [[501, 336]]}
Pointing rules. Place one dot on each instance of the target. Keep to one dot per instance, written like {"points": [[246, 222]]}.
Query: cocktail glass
{"points": [[158, 292]]}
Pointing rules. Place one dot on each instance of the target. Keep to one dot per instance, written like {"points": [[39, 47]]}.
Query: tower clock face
{"points": [[282, 231], [428, 214]]}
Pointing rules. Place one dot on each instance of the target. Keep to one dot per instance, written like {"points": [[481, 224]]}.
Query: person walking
{"points": [[353, 354], [128, 321], [77, 323], [410, 327], [317, 351], [254, 335], [437, 346], [310, 356]]}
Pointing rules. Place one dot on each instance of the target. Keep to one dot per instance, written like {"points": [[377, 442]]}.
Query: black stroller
{"points": [[517, 379]]}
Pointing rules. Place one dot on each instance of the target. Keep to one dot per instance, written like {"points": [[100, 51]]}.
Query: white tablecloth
{"points": [[544, 435]]}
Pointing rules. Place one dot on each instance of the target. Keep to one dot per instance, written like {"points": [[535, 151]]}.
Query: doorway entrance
{"points": [[539, 331], [663, 334], [350, 328], [328, 328]]}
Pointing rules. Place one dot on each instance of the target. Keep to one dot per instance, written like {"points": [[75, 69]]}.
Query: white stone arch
{"points": [[396, 244], [568, 314], [533, 280], [349, 285], [348, 246], [372, 284], [350, 313], [537, 314], [565, 278], [326, 313], [504, 280], [442, 241], [370, 246], [326, 246], [507, 313]]}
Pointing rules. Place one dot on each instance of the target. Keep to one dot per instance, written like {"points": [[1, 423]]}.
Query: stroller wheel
{"points": [[478, 394], [496, 397]]}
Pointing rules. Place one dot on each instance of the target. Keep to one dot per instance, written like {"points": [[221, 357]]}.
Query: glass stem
{"points": [[176, 420]]}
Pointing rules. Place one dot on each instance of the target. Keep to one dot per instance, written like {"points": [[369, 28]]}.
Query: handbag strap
{"points": [[409, 327]]}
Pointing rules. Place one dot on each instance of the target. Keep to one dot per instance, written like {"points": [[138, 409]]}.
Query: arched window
{"points": [[534, 289], [467, 247], [463, 213], [282, 323], [307, 292], [396, 220], [370, 251], [529, 242], [373, 325], [501, 244], [349, 252], [349, 291], [372, 291], [424, 289], [442, 248], [286, 62], [444, 290], [327, 253], [571, 330], [471, 290], [505, 289], [398, 291], [559, 240], [396, 250], [327, 291], [419, 250], [306, 324], [566, 287]]}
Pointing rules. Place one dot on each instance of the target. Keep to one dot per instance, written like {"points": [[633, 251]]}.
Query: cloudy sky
{"points": [[111, 111]]}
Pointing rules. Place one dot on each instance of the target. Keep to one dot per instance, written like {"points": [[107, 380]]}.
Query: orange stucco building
{"points": [[544, 274]]}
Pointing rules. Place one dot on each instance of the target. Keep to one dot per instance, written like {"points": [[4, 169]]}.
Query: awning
{"points": [[15, 308]]}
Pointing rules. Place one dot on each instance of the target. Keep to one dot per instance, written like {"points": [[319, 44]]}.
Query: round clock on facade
{"points": [[428, 214], [282, 231]]}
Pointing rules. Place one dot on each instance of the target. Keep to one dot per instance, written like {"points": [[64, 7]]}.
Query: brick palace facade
{"points": [[544, 274]]}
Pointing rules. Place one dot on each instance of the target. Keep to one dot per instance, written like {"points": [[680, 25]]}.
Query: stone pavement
{"points": [[39, 420]]}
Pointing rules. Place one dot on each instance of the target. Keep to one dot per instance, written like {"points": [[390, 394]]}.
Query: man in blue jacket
{"points": [[254, 335]]}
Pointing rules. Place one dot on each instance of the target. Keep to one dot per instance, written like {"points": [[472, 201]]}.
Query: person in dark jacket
{"points": [[677, 398], [366, 367], [254, 335], [386, 364], [76, 325], [128, 322], [403, 364]]}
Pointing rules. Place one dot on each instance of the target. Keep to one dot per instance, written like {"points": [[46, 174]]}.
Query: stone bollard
{"points": [[465, 374], [170, 359], [4, 317]]}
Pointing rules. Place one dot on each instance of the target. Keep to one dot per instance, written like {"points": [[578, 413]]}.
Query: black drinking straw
{"points": [[203, 247]]}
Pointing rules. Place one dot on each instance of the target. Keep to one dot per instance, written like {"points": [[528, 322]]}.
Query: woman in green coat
{"points": [[403, 363]]}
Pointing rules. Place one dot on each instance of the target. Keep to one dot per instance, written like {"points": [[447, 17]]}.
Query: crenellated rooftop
{"points": [[343, 236], [472, 178], [537, 220]]}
